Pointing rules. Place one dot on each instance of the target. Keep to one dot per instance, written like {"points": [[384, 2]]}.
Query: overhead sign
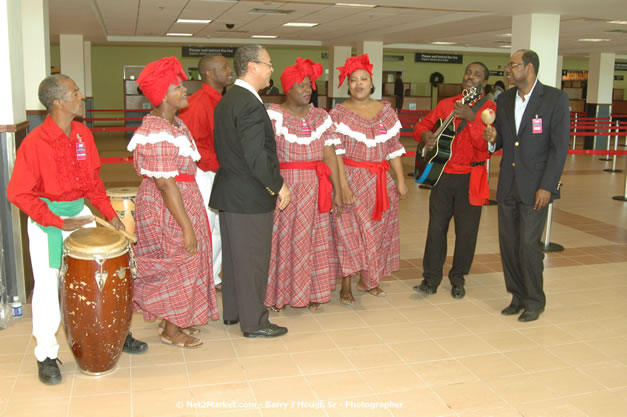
{"points": [[619, 78], [620, 66], [200, 51], [439, 58], [574, 75], [393, 58]]}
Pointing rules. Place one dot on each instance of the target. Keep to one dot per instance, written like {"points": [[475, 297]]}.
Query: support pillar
{"points": [[599, 98], [337, 58], [374, 49]]}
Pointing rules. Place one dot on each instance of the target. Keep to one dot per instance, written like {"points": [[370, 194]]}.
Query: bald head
{"points": [[215, 71]]}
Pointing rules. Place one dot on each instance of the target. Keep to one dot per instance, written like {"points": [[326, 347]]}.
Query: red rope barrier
{"points": [[107, 119]]}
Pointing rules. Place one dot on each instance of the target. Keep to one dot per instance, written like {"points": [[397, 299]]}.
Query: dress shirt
{"points": [[249, 87], [521, 105]]}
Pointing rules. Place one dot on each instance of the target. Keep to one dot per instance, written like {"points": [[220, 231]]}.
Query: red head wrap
{"points": [[297, 73], [353, 64], [156, 77]]}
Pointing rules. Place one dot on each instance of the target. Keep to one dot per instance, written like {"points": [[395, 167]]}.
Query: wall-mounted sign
{"points": [[393, 58], [200, 51], [620, 66], [439, 58], [619, 78], [324, 55], [496, 73], [574, 75]]}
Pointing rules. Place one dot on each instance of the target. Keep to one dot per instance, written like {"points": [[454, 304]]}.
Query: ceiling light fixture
{"points": [[618, 22], [202, 21], [179, 34], [593, 40], [505, 46], [505, 35], [356, 5], [300, 25], [443, 43], [264, 36]]}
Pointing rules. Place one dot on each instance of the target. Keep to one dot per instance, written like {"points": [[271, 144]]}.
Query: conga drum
{"points": [[123, 202], [95, 294]]}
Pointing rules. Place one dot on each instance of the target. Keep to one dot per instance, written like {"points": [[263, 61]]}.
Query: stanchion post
{"points": [[547, 245], [575, 132], [613, 169], [624, 196], [607, 143]]}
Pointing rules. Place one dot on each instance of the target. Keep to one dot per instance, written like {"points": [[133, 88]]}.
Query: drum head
{"points": [[122, 192], [86, 242]]}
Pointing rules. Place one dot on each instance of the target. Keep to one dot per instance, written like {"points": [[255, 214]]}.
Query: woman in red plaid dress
{"points": [[300, 272], [367, 233], [173, 251]]}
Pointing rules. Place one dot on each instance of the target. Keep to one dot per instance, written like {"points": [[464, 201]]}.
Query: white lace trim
{"points": [[181, 142], [340, 151], [292, 138], [332, 141], [159, 174], [396, 154], [371, 143]]}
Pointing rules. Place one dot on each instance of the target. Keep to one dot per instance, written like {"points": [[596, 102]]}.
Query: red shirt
{"points": [[469, 145], [198, 117], [47, 166]]}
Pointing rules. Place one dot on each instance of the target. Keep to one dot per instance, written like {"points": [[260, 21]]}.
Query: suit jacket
{"points": [[533, 160], [249, 177]]}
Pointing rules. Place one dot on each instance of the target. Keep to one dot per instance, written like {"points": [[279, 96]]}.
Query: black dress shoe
{"points": [[458, 291], [530, 315], [272, 330], [230, 322], [425, 287], [512, 309], [49, 372], [134, 346]]}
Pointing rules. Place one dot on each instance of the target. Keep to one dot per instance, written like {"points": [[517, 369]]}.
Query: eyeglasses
{"points": [[269, 64], [513, 64]]}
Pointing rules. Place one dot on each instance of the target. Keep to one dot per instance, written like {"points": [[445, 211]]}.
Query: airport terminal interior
{"points": [[404, 354]]}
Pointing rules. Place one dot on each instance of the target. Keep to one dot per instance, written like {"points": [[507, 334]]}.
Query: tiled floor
{"points": [[402, 355]]}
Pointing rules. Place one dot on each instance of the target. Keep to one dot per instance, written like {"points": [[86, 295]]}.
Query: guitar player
{"points": [[462, 188]]}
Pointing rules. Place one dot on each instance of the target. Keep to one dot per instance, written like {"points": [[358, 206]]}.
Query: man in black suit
{"points": [[532, 128], [245, 191]]}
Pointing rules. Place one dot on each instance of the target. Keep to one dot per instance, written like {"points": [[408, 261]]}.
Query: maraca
{"points": [[488, 116]]}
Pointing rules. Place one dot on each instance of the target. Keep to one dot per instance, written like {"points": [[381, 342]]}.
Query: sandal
{"points": [[314, 306], [348, 300], [190, 331], [276, 309], [376, 291], [190, 344]]}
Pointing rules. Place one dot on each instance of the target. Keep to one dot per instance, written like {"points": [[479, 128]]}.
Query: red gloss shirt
{"points": [[46, 165], [198, 117], [469, 145]]}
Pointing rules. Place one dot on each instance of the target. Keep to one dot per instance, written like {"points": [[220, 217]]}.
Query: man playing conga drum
{"points": [[56, 168]]}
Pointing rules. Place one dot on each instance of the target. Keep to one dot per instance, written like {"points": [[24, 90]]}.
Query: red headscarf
{"points": [[297, 73], [353, 64], [156, 77]]}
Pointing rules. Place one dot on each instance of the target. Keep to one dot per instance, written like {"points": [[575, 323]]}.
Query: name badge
{"points": [[536, 125], [81, 151], [382, 129]]}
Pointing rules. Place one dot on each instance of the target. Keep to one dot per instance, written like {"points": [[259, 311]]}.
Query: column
{"points": [[599, 97], [89, 99], [13, 126], [374, 49], [337, 58], [73, 58], [539, 32], [558, 71]]}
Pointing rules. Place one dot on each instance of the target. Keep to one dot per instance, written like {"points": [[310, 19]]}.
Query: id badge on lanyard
{"points": [[81, 150]]}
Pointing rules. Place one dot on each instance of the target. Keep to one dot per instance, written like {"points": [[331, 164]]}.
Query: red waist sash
{"points": [[179, 178], [382, 203], [325, 203]]}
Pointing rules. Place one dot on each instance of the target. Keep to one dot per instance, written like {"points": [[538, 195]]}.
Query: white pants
{"points": [[205, 183], [46, 312]]}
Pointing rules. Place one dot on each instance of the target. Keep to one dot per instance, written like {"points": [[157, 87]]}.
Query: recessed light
{"points": [[593, 40], [203, 21], [355, 5], [443, 43], [505, 35], [505, 46], [179, 34], [264, 36], [300, 25], [618, 22]]}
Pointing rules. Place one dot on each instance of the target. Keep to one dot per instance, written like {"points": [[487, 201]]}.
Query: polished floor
{"points": [[400, 355]]}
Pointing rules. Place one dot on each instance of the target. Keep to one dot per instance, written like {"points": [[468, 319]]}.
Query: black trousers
{"points": [[449, 199], [520, 231], [246, 247]]}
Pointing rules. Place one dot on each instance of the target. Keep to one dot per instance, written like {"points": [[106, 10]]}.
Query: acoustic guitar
{"points": [[430, 164]]}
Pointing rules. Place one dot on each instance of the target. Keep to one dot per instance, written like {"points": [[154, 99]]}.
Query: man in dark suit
{"points": [[532, 128], [245, 191]]}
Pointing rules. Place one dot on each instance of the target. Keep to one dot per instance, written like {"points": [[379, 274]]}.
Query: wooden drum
{"points": [[123, 202], [95, 293]]}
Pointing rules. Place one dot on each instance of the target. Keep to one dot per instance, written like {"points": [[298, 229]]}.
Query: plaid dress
{"points": [[170, 283], [300, 270], [363, 244]]}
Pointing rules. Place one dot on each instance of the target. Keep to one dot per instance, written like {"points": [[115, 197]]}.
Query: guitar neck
{"points": [[444, 125]]}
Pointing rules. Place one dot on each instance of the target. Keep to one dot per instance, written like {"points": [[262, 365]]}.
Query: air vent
{"points": [[270, 11]]}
